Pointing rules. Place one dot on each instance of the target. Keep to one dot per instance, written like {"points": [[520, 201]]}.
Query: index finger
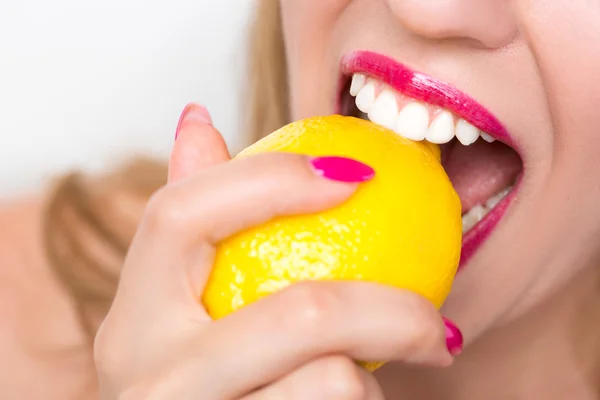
{"points": [[172, 253]]}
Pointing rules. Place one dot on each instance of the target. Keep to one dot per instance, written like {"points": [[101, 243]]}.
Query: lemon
{"points": [[403, 228]]}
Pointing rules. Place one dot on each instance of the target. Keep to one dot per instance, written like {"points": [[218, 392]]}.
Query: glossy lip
{"points": [[425, 88], [433, 91], [475, 237]]}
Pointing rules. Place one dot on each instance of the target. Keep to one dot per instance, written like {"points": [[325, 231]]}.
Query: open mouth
{"points": [[477, 152]]}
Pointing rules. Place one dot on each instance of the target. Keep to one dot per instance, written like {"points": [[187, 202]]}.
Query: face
{"points": [[522, 75]]}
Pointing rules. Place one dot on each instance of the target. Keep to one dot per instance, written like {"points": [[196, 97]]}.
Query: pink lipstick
{"points": [[425, 88], [430, 90]]}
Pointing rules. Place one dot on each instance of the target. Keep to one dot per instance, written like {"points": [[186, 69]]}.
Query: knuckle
{"points": [[342, 379], [164, 212], [309, 307], [425, 331]]}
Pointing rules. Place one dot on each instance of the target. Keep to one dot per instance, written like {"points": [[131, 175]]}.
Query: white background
{"points": [[87, 83]]}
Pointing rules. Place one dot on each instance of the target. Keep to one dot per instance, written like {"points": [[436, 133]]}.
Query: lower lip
{"points": [[477, 235]]}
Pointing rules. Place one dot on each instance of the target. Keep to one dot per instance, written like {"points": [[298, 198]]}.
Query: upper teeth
{"points": [[411, 119]]}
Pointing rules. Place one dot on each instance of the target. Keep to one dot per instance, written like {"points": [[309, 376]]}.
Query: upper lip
{"points": [[425, 88]]}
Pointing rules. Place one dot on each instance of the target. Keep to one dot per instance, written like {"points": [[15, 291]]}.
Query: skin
{"points": [[536, 276], [39, 325], [527, 302], [158, 343]]}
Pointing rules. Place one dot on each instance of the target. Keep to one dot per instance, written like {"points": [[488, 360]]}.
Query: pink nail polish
{"points": [[342, 169], [454, 338], [193, 112]]}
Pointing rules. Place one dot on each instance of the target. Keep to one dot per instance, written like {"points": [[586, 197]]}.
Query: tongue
{"points": [[480, 170]]}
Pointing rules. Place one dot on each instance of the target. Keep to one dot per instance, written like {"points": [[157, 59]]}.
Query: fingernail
{"points": [[193, 112], [342, 169], [454, 338]]}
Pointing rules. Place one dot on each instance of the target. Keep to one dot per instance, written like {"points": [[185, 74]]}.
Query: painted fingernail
{"points": [[193, 112], [454, 338], [342, 169]]}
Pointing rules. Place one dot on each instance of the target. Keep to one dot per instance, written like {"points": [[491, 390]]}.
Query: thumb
{"points": [[198, 144]]}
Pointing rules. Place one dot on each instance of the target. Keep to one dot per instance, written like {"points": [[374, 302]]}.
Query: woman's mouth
{"points": [[478, 154]]}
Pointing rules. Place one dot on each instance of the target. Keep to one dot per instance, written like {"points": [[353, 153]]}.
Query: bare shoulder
{"points": [[39, 330], [21, 251], [20, 226]]}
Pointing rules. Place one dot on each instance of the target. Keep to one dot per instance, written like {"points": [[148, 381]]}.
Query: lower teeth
{"points": [[477, 213]]}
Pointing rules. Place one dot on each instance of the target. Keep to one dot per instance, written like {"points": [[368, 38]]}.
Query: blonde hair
{"points": [[89, 221]]}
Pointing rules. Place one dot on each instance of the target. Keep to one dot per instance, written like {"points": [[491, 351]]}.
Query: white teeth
{"points": [[441, 129], [358, 81], [384, 109], [471, 218], [413, 121], [366, 97], [477, 213], [494, 200], [487, 137], [466, 133]]}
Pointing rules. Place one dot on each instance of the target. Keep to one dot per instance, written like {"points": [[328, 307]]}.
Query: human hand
{"points": [[157, 341]]}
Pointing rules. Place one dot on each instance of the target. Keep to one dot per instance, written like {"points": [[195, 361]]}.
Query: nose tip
{"points": [[490, 23]]}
